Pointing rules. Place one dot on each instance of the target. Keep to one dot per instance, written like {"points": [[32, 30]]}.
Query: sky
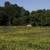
{"points": [[30, 4]]}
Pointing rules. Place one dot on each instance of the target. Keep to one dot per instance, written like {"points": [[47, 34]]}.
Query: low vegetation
{"points": [[24, 38]]}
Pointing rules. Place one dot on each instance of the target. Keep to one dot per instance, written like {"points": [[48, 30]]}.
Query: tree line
{"points": [[14, 15]]}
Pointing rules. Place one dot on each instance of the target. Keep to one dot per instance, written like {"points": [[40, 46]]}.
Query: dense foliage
{"points": [[12, 14]]}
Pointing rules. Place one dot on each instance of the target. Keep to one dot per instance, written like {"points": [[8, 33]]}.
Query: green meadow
{"points": [[24, 38]]}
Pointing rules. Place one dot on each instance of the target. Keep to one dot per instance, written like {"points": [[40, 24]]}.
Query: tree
{"points": [[4, 18], [7, 3]]}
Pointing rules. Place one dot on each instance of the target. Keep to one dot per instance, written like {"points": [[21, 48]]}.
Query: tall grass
{"points": [[24, 38]]}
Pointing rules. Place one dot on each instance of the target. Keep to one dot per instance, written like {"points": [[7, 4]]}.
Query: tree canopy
{"points": [[12, 14]]}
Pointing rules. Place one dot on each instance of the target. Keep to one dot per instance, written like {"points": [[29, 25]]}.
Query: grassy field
{"points": [[24, 38]]}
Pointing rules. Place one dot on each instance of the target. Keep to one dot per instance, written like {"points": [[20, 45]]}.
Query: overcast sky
{"points": [[30, 4]]}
